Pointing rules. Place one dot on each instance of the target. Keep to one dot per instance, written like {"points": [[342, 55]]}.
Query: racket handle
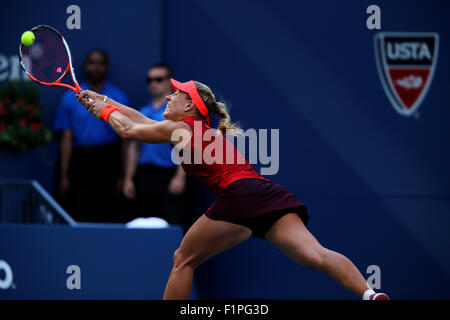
{"points": [[89, 99]]}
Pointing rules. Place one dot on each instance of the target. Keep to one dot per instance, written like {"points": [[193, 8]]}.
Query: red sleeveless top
{"points": [[217, 162]]}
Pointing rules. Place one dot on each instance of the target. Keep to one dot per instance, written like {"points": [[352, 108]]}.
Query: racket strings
{"points": [[47, 59]]}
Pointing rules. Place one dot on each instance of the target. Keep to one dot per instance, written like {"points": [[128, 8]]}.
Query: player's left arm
{"points": [[131, 113], [158, 132]]}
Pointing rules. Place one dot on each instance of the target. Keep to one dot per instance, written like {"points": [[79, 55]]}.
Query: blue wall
{"points": [[114, 262], [376, 183]]}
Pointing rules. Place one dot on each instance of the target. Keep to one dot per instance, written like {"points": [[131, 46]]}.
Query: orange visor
{"points": [[190, 88]]}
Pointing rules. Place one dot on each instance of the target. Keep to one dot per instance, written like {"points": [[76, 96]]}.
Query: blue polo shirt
{"points": [[87, 130], [155, 154]]}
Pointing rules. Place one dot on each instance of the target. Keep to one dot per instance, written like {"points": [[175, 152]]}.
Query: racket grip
{"points": [[89, 99]]}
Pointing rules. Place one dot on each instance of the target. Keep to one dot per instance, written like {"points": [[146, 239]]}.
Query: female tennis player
{"points": [[247, 204]]}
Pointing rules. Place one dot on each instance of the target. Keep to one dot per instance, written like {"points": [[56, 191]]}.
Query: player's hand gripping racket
{"points": [[48, 60]]}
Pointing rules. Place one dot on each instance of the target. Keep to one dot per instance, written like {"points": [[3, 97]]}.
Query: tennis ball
{"points": [[28, 38]]}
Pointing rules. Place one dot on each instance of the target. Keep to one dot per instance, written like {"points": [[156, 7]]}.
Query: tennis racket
{"points": [[48, 60]]}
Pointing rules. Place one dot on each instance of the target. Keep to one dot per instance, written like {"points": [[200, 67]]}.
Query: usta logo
{"points": [[408, 50]]}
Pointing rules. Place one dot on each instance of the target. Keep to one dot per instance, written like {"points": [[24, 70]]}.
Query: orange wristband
{"points": [[107, 110]]}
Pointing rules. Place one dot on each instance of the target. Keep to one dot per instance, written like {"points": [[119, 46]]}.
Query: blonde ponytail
{"points": [[225, 125], [219, 108]]}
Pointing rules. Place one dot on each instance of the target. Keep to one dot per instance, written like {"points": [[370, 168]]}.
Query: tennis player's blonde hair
{"points": [[218, 108]]}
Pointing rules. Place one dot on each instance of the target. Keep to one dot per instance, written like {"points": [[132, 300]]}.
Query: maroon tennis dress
{"points": [[244, 197]]}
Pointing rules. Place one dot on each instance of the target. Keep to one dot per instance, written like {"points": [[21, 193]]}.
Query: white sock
{"points": [[367, 294]]}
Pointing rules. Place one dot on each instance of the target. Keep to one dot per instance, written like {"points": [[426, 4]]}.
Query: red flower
{"points": [[23, 122], [2, 110], [2, 126], [31, 107], [36, 126], [6, 101]]}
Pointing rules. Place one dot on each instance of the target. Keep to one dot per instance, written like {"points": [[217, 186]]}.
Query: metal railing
{"points": [[26, 201]]}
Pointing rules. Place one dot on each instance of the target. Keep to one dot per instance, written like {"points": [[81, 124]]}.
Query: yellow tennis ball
{"points": [[28, 38]]}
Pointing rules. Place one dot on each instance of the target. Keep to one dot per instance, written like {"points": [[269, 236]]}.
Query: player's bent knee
{"points": [[179, 259], [317, 261], [313, 262], [314, 259], [183, 260]]}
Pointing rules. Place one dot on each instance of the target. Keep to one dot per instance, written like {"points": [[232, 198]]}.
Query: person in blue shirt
{"points": [[90, 151], [151, 178]]}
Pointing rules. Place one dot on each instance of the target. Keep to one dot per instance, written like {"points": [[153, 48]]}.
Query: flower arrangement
{"points": [[21, 124]]}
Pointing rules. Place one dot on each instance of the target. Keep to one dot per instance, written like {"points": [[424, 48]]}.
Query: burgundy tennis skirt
{"points": [[256, 204]]}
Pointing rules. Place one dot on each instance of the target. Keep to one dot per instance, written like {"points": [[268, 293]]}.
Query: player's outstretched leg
{"points": [[291, 236], [203, 240]]}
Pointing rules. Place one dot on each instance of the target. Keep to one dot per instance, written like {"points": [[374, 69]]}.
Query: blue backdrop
{"points": [[376, 183]]}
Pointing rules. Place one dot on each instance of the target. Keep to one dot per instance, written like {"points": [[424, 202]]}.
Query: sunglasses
{"points": [[157, 79]]}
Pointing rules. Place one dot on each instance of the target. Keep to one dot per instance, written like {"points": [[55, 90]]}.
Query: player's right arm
{"points": [[131, 113], [126, 127]]}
